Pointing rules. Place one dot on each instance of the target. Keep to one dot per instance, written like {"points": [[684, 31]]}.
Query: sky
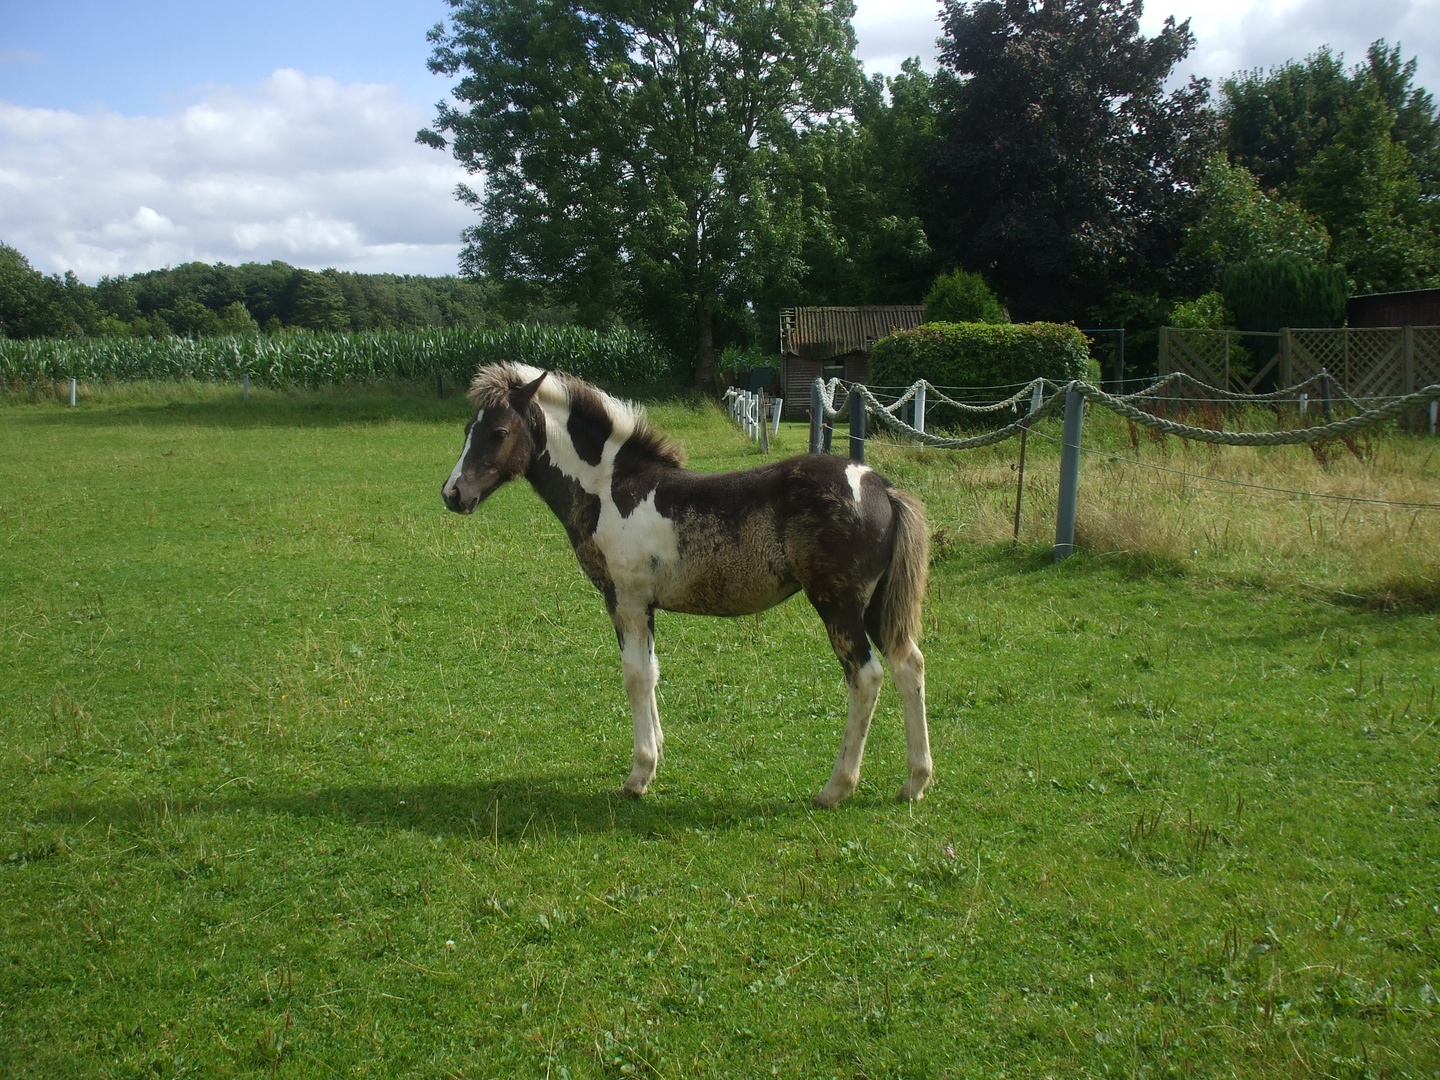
{"points": [[135, 135]]}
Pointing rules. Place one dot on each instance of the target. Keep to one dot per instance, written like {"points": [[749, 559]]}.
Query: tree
{"points": [[961, 297], [1266, 294], [318, 303], [636, 155], [1067, 169], [1239, 221], [1278, 122], [1364, 186]]}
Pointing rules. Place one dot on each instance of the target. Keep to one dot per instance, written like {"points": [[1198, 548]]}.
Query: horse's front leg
{"points": [[636, 631]]}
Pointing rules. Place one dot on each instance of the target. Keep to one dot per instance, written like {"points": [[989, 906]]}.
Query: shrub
{"points": [[978, 356], [1266, 294], [963, 297]]}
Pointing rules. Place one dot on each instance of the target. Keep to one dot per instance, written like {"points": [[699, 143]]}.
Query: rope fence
{"points": [[1047, 398]]}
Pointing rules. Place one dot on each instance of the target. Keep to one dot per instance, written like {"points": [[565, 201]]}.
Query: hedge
{"points": [[975, 356]]}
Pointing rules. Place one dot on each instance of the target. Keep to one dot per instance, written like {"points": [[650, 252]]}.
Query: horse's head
{"points": [[499, 446]]}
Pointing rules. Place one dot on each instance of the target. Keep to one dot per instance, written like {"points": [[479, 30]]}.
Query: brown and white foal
{"points": [[652, 534]]}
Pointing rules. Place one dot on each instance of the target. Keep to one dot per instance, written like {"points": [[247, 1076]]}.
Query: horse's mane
{"points": [[493, 383]]}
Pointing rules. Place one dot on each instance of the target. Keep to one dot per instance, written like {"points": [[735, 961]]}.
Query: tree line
{"points": [[197, 299], [697, 166], [689, 168]]}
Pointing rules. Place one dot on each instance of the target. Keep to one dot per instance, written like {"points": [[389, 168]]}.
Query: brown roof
{"points": [[820, 333]]}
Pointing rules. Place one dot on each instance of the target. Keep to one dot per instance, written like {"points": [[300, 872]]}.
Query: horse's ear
{"points": [[522, 396]]}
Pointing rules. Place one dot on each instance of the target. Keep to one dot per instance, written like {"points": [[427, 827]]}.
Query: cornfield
{"points": [[305, 359]]}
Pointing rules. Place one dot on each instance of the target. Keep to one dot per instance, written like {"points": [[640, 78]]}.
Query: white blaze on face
{"points": [[853, 473], [460, 465]]}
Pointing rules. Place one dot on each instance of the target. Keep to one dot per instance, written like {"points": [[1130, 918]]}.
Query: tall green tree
{"points": [[1239, 221], [1278, 121], [1066, 167], [1364, 186], [637, 156]]}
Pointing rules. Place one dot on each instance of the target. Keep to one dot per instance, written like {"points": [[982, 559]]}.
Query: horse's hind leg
{"points": [[636, 631], [907, 665], [863, 675]]}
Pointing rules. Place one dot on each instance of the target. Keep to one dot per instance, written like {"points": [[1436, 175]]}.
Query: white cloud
{"points": [[300, 168], [1233, 35]]}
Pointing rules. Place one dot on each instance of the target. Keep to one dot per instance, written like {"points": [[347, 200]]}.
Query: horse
{"points": [[651, 534]]}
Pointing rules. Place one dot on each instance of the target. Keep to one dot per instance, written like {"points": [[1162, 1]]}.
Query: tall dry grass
{"points": [[1165, 503]]}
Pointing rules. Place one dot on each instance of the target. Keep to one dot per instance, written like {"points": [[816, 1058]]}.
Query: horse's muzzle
{"points": [[454, 502]]}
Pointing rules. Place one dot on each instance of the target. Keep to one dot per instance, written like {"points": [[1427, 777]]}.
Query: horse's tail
{"points": [[905, 580]]}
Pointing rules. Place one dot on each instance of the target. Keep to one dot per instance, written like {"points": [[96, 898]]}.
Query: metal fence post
{"points": [[1069, 474], [246, 380], [439, 383], [72, 392], [816, 418], [857, 425], [919, 423]]}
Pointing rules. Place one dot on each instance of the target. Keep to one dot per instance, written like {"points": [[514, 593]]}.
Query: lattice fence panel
{"points": [[1426, 353], [1202, 354]]}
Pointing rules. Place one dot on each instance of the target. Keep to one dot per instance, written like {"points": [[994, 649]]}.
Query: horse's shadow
{"points": [[498, 811]]}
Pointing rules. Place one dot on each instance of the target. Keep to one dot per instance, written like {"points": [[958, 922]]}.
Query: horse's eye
{"points": [[499, 434]]}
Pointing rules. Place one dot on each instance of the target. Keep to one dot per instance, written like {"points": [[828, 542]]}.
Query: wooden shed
{"points": [[1414, 307], [831, 342]]}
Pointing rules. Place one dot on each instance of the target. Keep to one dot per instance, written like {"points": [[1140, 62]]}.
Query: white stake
{"points": [[72, 393]]}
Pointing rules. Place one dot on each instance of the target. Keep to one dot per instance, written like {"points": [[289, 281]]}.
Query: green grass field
{"points": [[304, 776]]}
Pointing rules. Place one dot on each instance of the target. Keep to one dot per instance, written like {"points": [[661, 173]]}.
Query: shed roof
{"points": [[820, 333]]}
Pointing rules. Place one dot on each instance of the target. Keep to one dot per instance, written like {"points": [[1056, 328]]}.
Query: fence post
{"points": [[1120, 365], [439, 383], [72, 391], [1325, 390], [1069, 474], [857, 425], [827, 426], [1163, 360], [919, 420], [1284, 356], [816, 418], [1407, 368], [764, 423], [775, 411], [1433, 410], [246, 395]]}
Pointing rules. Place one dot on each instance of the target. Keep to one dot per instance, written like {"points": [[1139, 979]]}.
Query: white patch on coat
{"points": [[638, 549], [853, 473], [460, 465], [555, 404]]}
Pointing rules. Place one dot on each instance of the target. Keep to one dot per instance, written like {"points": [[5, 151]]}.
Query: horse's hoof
{"points": [[633, 792], [905, 795], [827, 799]]}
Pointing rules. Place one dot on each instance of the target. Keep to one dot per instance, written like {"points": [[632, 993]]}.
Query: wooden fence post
{"points": [[1285, 356], [919, 420], [1163, 361], [764, 422]]}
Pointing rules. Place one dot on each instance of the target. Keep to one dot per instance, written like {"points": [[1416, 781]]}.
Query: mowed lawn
{"points": [[304, 776]]}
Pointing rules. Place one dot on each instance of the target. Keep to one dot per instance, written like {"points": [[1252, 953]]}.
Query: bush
{"points": [[962, 297], [977, 356], [1266, 294]]}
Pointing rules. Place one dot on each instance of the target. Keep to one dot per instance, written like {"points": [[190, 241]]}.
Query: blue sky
{"points": [[135, 135]]}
